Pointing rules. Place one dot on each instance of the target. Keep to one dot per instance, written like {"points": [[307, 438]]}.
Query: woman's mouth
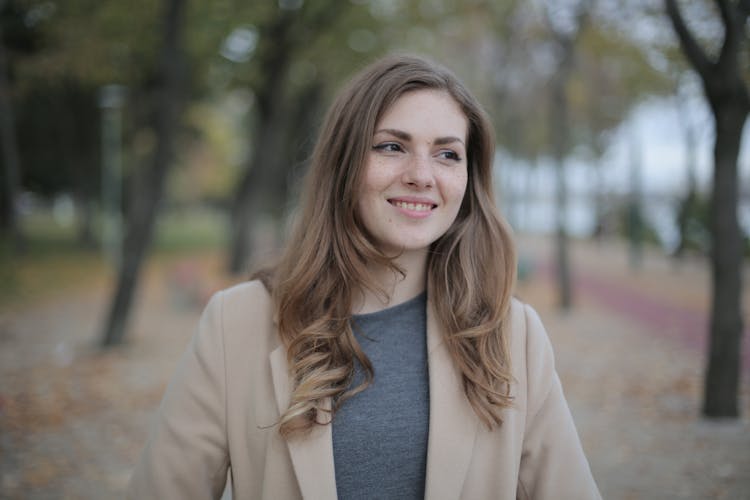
{"points": [[413, 208], [417, 207]]}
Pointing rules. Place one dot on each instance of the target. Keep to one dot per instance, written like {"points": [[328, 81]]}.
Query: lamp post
{"points": [[111, 98]]}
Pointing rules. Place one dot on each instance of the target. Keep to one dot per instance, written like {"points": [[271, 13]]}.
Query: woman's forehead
{"points": [[427, 112]]}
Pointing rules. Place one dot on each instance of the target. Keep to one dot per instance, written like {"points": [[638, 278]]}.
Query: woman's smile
{"points": [[411, 207]]}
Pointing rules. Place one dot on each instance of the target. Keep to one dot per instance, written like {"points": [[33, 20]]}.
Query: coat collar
{"points": [[453, 427], [312, 455], [453, 423]]}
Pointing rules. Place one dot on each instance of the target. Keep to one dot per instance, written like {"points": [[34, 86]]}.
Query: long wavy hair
{"points": [[471, 268]]}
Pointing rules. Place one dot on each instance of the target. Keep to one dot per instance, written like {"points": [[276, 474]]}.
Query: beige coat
{"points": [[232, 383]]}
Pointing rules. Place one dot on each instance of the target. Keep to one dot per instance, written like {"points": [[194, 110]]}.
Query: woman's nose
{"points": [[418, 172]]}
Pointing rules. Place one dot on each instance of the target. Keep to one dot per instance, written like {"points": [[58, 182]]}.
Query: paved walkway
{"points": [[631, 358], [668, 297]]}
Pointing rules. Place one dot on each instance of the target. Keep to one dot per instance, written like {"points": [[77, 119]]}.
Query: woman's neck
{"points": [[399, 288]]}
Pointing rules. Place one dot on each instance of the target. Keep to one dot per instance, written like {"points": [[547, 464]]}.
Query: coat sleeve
{"points": [[186, 455], [553, 464]]}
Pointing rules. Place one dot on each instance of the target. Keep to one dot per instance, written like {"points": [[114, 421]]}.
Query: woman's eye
{"points": [[450, 155], [388, 147]]}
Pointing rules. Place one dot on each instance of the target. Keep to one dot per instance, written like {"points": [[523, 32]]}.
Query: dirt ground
{"points": [[630, 355]]}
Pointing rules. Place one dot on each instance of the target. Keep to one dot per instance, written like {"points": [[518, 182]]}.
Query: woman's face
{"points": [[415, 173]]}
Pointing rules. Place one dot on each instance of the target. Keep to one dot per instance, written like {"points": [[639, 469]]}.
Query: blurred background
{"points": [[152, 152]]}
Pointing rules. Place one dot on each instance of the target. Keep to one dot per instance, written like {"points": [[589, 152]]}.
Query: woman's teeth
{"points": [[419, 207]]}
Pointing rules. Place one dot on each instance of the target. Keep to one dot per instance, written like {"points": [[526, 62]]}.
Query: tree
{"points": [[565, 37], [11, 161], [61, 114], [167, 92], [10, 175], [692, 207], [280, 115], [728, 98], [276, 52]]}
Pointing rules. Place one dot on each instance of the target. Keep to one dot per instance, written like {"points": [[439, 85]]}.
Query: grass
{"points": [[189, 231], [53, 263]]}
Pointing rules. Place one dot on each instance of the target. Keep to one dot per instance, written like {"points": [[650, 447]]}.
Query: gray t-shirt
{"points": [[380, 435]]}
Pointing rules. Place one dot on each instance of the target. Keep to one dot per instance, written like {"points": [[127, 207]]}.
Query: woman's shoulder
{"points": [[249, 294], [245, 312], [523, 316], [526, 331]]}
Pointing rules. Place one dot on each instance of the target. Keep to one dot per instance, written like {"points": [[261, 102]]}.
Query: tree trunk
{"points": [[85, 155], [723, 371], [727, 93], [10, 159], [142, 213], [635, 206], [600, 209], [264, 188], [559, 132], [257, 193], [85, 220], [251, 200], [689, 203]]}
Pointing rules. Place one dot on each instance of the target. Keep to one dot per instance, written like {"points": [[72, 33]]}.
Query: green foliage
{"points": [[190, 230], [693, 214], [694, 229], [633, 226], [209, 163], [613, 76], [20, 37], [58, 131], [96, 42], [500, 47]]}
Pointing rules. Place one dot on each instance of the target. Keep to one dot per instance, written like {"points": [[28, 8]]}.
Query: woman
{"points": [[383, 356]]}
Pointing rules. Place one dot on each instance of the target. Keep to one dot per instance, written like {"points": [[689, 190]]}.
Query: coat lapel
{"points": [[312, 455], [453, 423]]}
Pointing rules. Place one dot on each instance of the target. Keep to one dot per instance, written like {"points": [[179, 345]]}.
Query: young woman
{"points": [[384, 356]]}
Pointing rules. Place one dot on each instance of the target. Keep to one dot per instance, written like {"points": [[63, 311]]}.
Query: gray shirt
{"points": [[380, 435]]}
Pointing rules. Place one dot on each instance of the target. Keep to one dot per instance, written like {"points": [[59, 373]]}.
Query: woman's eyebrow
{"points": [[405, 136], [441, 141]]}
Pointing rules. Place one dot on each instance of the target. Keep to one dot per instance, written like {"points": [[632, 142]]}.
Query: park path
{"points": [[631, 358], [668, 297]]}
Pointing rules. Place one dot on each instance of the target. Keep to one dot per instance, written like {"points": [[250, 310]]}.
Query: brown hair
{"points": [[471, 268]]}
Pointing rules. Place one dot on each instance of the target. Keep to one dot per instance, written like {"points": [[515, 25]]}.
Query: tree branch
{"points": [[728, 47], [725, 10], [694, 53], [744, 7], [328, 14], [583, 15], [734, 25]]}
